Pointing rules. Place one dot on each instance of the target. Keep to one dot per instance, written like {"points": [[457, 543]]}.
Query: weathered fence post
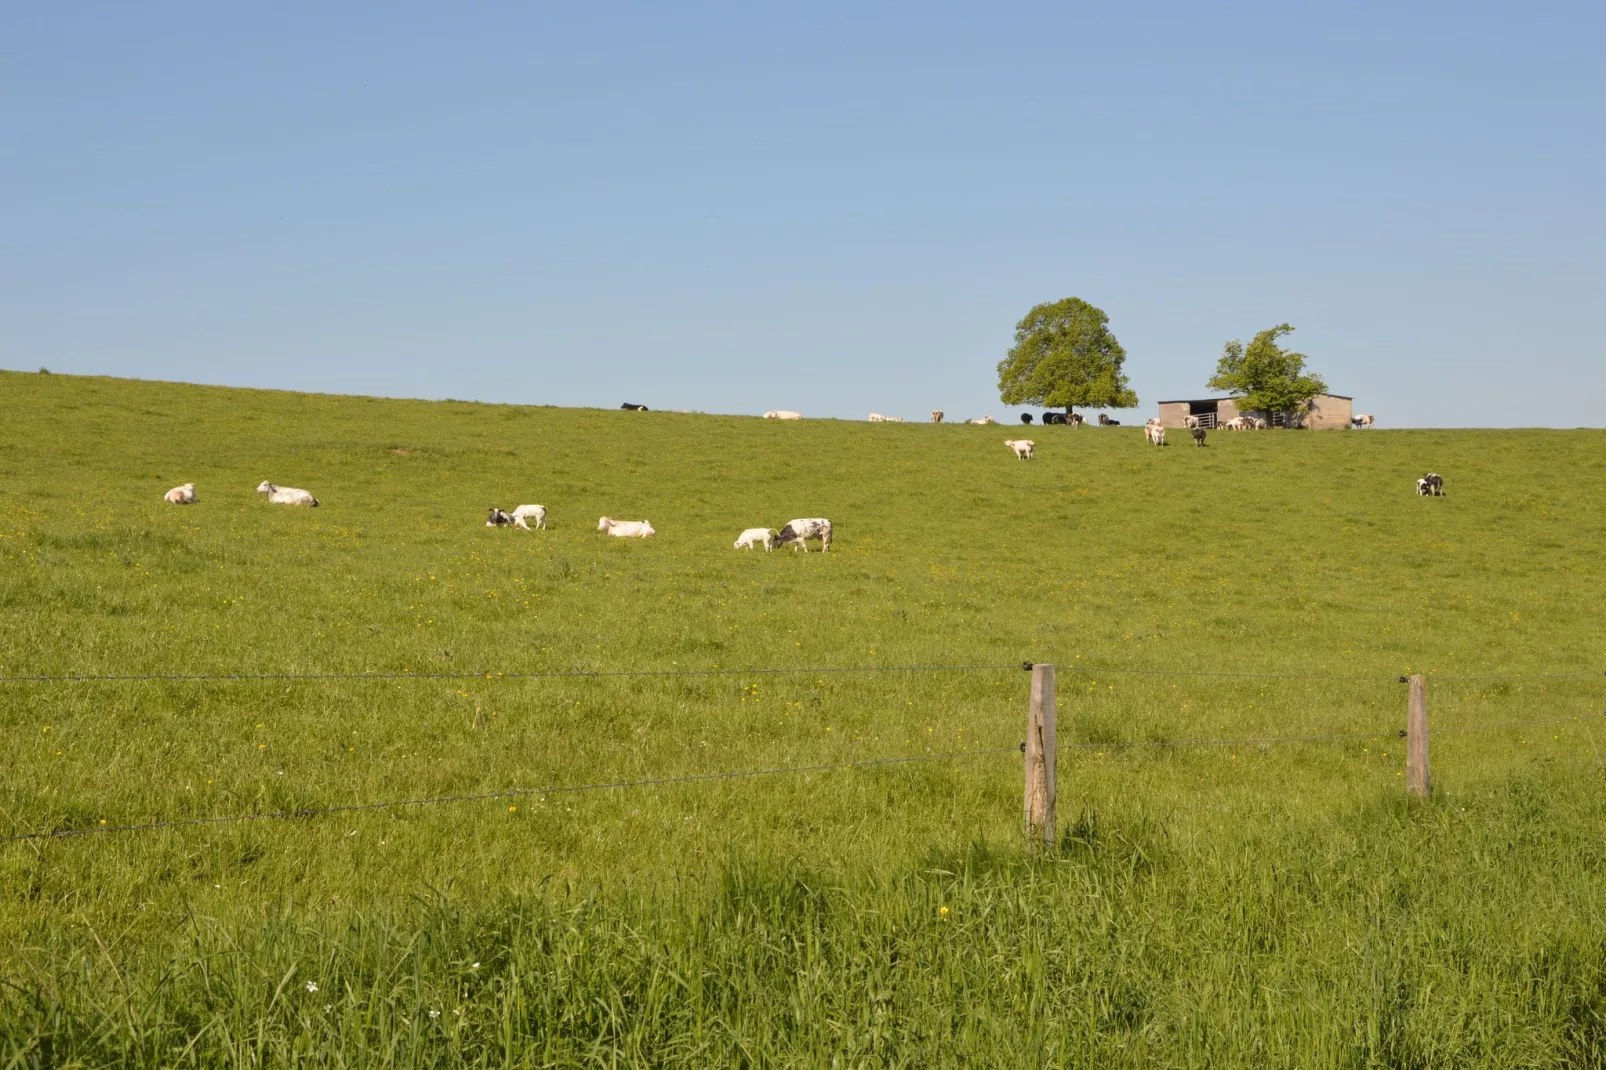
{"points": [[1416, 739], [1040, 752]]}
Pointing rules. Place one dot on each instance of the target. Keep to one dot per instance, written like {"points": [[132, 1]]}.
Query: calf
{"points": [[1024, 448], [937, 415], [626, 529], [285, 495], [184, 495], [1431, 485], [1025, 417], [796, 533], [755, 536], [525, 513], [1198, 436], [497, 518], [1154, 431]]}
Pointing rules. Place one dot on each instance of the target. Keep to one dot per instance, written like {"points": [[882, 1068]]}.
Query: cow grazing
{"points": [[497, 518], [1198, 436], [1053, 418], [1154, 431], [1237, 423], [1024, 448], [285, 495], [1431, 485], [764, 537], [1365, 419], [797, 533], [183, 495], [631, 406], [525, 513], [626, 529], [783, 414], [937, 415]]}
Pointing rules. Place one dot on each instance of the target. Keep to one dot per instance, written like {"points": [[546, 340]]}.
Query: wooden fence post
{"points": [[1416, 739], [1040, 753]]}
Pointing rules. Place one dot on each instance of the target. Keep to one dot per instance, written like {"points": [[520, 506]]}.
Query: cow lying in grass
{"points": [[626, 529], [182, 495], [285, 495]]}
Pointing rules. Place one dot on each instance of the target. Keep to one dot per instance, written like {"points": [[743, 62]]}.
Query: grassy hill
{"points": [[1252, 904]]}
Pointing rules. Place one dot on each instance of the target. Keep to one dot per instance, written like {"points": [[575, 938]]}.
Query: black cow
{"points": [[1025, 417], [1198, 436], [1053, 418]]}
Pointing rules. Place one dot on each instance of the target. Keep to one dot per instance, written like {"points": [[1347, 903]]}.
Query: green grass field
{"points": [[1272, 904]]}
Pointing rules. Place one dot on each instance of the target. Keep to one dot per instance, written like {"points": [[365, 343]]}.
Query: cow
{"points": [[1024, 448], [1025, 417], [1431, 485], [631, 406], [1258, 423], [182, 495], [1105, 421], [1198, 436], [783, 414], [1154, 431], [937, 415], [877, 418], [982, 420], [796, 533], [760, 536], [525, 513], [1053, 418], [1237, 423], [1365, 419], [629, 529], [497, 518], [285, 495], [1074, 419]]}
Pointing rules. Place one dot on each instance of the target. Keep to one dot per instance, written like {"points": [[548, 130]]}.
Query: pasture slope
{"points": [[1278, 904]]}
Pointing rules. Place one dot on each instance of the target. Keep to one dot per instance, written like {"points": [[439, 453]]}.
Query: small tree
{"points": [[1064, 355], [1264, 376]]}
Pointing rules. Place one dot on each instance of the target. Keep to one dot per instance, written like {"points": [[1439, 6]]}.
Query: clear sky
{"points": [[835, 208]]}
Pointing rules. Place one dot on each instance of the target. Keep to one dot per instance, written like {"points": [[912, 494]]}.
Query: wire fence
{"points": [[581, 674], [695, 778]]}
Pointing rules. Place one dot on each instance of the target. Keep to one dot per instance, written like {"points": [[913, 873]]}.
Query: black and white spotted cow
{"points": [[1431, 485], [497, 518], [631, 406], [796, 533]]}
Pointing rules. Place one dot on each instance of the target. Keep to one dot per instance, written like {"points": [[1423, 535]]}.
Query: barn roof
{"points": [[1195, 401]]}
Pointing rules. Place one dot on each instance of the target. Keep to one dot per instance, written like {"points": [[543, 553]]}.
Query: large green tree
{"points": [[1264, 376], [1064, 355]]}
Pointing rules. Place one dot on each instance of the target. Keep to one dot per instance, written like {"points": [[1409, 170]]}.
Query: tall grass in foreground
{"points": [[1251, 904]]}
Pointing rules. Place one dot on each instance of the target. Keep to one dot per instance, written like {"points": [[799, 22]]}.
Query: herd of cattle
{"points": [[797, 533]]}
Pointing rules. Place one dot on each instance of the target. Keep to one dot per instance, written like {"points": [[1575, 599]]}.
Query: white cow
{"points": [[1024, 448], [1365, 419], [1154, 431], [937, 415], [1190, 421], [184, 495], [983, 420], [755, 536], [1237, 423], [798, 532], [525, 513], [626, 529], [285, 495], [877, 418], [1258, 423], [783, 414]]}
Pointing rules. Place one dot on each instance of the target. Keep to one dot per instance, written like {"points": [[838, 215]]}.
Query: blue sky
{"points": [[841, 209]]}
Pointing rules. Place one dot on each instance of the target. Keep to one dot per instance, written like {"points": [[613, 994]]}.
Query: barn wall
{"points": [[1329, 413]]}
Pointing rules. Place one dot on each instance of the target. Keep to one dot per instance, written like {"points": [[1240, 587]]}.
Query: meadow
{"points": [[1258, 903]]}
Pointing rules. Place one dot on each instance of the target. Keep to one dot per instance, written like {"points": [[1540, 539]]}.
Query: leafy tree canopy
{"points": [[1064, 355], [1264, 376]]}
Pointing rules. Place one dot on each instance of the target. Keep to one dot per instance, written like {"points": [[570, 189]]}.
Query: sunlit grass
{"points": [[1274, 903]]}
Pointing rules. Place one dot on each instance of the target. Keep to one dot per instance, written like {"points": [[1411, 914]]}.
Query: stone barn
{"points": [[1326, 411]]}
